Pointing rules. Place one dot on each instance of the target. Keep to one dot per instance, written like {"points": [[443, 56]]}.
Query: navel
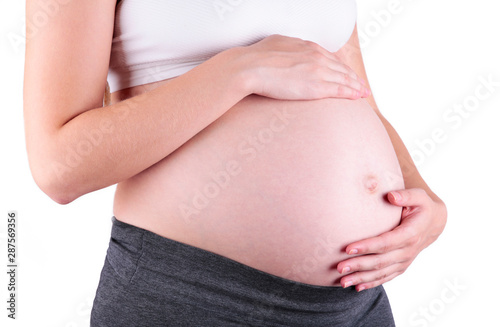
{"points": [[370, 183]]}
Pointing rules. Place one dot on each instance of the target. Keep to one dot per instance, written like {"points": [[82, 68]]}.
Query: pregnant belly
{"points": [[281, 186]]}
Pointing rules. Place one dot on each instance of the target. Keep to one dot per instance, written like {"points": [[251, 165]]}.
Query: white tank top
{"points": [[158, 39]]}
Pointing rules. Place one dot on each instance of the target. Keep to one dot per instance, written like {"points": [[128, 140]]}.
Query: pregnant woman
{"points": [[258, 183]]}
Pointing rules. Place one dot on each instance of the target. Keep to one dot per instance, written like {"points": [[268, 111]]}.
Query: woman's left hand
{"points": [[381, 258]]}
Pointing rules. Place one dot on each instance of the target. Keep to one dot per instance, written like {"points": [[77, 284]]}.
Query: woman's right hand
{"points": [[289, 68]]}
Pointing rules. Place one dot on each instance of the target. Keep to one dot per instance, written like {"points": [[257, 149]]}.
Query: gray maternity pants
{"points": [[149, 280]]}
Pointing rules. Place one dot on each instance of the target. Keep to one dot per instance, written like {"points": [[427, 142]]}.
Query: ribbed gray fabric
{"points": [[149, 280]]}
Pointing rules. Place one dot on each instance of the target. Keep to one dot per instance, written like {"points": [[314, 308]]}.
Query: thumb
{"points": [[408, 197]]}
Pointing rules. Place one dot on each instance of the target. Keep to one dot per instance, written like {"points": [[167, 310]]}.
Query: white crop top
{"points": [[158, 39]]}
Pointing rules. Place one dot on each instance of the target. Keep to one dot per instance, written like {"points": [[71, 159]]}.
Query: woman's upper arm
{"points": [[67, 56], [350, 55], [68, 46]]}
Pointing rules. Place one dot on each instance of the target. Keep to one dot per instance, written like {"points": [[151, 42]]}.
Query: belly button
{"points": [[370, 183]]}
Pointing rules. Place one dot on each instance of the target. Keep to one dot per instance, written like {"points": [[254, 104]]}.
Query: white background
{"points": [[421, 61]]}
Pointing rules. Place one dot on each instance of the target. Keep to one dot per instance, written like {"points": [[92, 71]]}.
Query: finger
{"points": [[338, 67], [371, 277], [408, 197], [346, 79], [314, 47], [366, 286], [337, 90], [389, 241], [335, 62], [372, 261]]}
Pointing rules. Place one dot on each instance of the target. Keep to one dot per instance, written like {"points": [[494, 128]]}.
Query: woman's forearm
{"points": [[411, 176], [103, 146], [351, 55]]}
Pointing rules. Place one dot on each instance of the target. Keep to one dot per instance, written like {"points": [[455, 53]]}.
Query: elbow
{"points": [[53, 171], [55, 183], [58, 192], [60, 197]]}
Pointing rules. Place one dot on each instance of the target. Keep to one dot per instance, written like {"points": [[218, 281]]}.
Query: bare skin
{"points": [[150, 137], [282, 186]]}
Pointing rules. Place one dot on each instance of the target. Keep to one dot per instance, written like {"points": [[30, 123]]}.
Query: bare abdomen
{"points": [[281, 186]]}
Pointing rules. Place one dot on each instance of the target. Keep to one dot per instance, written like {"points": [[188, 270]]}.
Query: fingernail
{"points": [[346, 269], [353, 251], [362, 81], [396, 196], [368, 92], [362, 288], [347, 284]]}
